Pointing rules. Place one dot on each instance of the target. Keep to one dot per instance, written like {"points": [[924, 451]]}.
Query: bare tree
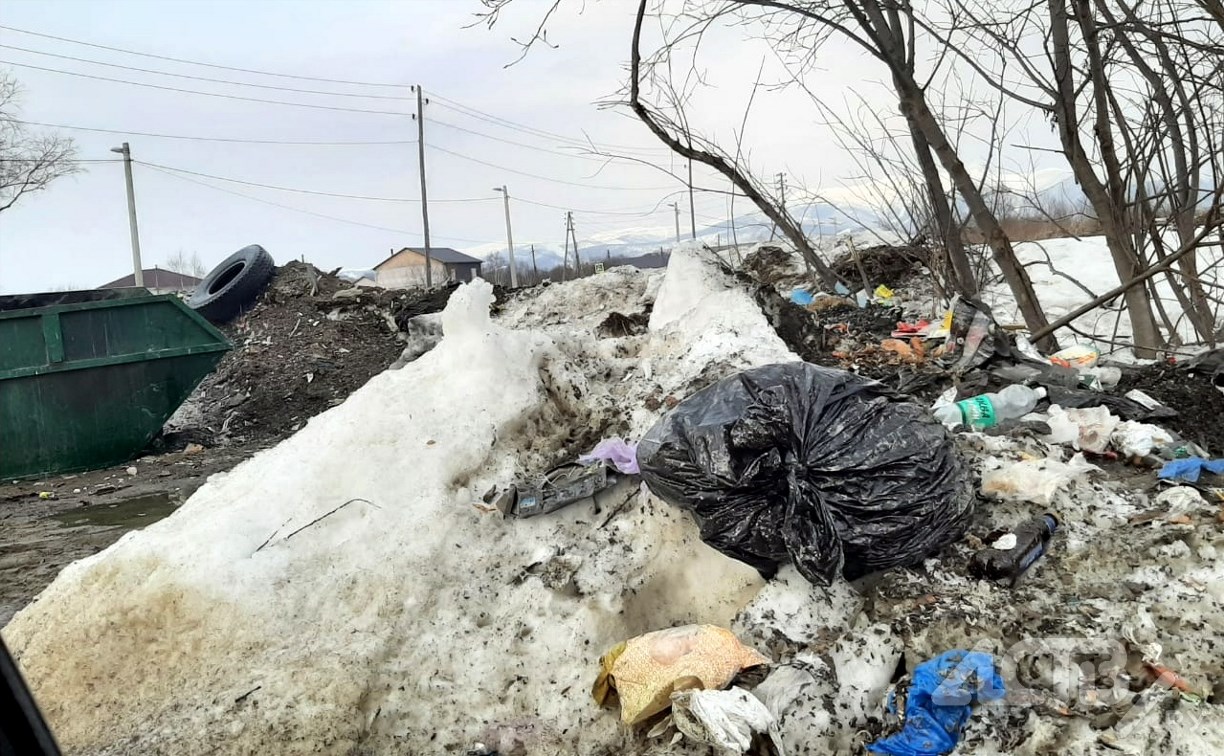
{"points": [[188, 265], [28, 161]]}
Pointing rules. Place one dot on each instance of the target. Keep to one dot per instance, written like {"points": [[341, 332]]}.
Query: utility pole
{"points": [[420, 119], [782, 193], [534, 268], [676, 207], [569, 229], [565, 254], [692, 207], [509, 236], [137, 267]]}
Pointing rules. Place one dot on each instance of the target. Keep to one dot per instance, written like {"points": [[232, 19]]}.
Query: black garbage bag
{"points": [[819, 466]]}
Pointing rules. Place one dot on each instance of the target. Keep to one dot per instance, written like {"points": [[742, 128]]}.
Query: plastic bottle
{"points": [[1031, 538], [985, 410]]}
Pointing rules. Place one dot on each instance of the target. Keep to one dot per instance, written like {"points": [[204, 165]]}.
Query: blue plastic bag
{"points": [[940, 699], [1190, 469], [801, 297]]}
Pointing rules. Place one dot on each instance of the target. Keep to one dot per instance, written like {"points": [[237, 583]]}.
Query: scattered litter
{"points": [[971, 337], [1181, 499], [1078, 356], [1096, 426], [812, 465], [131, 471], [1036, 481], [621, 454], [561, 486], [1190, 469], [801, 297], [643, 672], [722, 718], [939, 701], [986, 410], [1133, 439], [1011, 555]]}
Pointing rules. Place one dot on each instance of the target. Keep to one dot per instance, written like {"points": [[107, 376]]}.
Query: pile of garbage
{"points": [[757, 553], [310, 341]]}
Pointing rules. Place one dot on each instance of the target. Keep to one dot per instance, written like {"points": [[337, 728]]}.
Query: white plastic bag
{"points": [[1036, 481], [1133, 439], [722, 718], [1096, 424]]}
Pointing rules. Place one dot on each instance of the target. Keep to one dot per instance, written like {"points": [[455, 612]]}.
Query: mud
{"points": [[84, 513]]}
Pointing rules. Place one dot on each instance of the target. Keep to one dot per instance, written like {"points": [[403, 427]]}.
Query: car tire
{"points": [[232, 287]]}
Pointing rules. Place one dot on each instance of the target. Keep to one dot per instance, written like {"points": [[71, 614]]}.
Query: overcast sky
{"points": [[76, 232]]}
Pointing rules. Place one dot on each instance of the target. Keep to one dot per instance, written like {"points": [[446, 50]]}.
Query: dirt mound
{"points": [[309, 342], [1199, 404], [884, 264]]}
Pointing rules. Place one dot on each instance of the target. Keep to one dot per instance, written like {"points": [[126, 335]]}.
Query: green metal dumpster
{"points": [[88, 378]]}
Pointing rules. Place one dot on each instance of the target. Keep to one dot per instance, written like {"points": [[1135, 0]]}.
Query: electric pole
{"points": [[420, 119], [137, 267], [782, 194], [676, 207], [692, 207], [569, 230], [534, 268], [509, 236], [565, 254]]}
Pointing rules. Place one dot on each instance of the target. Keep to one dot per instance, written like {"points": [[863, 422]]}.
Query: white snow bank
{"points": [[344, 591], [1067, 273]]}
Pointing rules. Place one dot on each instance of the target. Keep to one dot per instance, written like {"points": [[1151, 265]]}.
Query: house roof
{"points": [[155, 278], [441, 254]]}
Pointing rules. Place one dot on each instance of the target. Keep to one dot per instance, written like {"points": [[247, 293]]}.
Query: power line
{"points": [[61, 160], [207, 139], [201, 63], [513, 125], [203, 78], [511, 141], [545, 178], [300, 210], [206, 94], [444, 101], [304, 191]]}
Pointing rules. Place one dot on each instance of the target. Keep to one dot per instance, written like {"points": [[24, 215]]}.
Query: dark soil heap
{"points": [[883, 264], [1199, 404], [298, 352]]}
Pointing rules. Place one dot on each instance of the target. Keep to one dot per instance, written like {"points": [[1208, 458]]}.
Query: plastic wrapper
{"points": [[817, 466], [723, 718], [1127, 409]]}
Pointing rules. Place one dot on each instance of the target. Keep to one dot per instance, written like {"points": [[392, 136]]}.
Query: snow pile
{"points": [[345, 589]]}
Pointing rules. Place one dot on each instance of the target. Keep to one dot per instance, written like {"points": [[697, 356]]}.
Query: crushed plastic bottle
{"points": [[986, 410], [1010, 556]]}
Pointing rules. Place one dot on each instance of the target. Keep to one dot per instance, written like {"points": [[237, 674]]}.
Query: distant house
{"points": [[157, 281], [407, 267]]}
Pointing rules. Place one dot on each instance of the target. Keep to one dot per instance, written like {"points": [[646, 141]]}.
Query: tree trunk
{"points": [[962, 271], [1108, 203]]}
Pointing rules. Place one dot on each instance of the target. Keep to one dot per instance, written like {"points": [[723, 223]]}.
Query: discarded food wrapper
{"points": [[621, 454], [722, 718], [643, 672], [1190, 469], [938, 702], [1135, 395], [1078, 356], [817, 466], [560, 486]]}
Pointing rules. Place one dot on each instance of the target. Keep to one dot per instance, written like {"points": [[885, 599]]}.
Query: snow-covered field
{"points": [[347, 592]]}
